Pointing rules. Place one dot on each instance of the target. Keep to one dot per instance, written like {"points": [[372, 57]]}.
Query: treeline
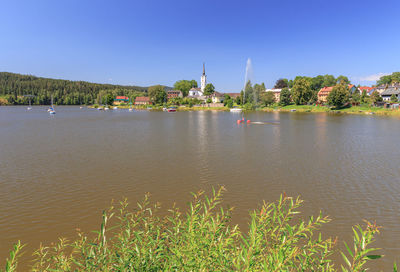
{"points": [[15, 88], [389, 79]]}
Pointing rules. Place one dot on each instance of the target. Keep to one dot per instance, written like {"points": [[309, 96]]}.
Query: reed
{"points": [[203, 238]]}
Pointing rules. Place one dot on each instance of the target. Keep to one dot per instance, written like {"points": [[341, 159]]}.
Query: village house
{"points": [[365, 88], [352, 88], [276, 92], [233, 95], [323, 94], [142, 100], [195, 92], [121, 99], [387, 94], [217, 97], [174, 94]]}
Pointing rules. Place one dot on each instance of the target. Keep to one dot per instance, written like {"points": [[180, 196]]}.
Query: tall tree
{"points": [[185, 85], [281, 83], [157, 94], [268, 98], [329, 81], [284, 97], [342, 79], [301, 91], [393, 98], [209, 89], [363, 98], [258, 90], [339, 95], [317, 83], [248, 93], [375, 97]]}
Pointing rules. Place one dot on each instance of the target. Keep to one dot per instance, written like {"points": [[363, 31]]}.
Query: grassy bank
{"points": [[203, 238], [350, 110]]}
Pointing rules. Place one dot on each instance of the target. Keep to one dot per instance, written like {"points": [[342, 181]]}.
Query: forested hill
{"points": [[15, 87]]}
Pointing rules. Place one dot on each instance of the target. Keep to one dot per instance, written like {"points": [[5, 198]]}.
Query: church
{"points": [[199, 92]]}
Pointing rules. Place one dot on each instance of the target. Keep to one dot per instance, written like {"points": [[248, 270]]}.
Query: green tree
{"points": [[284, 97], [301, 91], [157, 94], [185, 85], [239, 98], [363, 98], [339, 96], [268, 98], [393, 98], [375, 97], [248, 93], [329, 81], [226, 98], [356, 97], [317, 83], [342, 79], [209, 89], [281, 83], [258, 90], [208, 100], [229, 103]]}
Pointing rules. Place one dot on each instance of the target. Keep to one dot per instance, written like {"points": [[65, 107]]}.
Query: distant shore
{"points": [[360, 110]]}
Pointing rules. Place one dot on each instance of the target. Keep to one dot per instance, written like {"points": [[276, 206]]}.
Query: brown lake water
{"points": [[57, 173]]}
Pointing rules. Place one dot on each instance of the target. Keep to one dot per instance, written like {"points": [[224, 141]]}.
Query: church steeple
{"points": [[203, 80]]}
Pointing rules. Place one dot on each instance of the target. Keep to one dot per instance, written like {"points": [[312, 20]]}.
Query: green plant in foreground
{"points": [[203, 239]]}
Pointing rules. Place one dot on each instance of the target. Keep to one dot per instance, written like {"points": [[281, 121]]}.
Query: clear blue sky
{"points": [[159, 42]]}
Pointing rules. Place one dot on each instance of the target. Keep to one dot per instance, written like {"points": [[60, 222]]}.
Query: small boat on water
{"points": [[171, 109], [115, 108], [165, 109], [30, 106], [235, 109], [51, 110]]}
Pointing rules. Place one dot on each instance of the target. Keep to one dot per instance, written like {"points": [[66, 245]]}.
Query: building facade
{"points": [[323, 94], [174, 94], [142, 100], [121, 99]]}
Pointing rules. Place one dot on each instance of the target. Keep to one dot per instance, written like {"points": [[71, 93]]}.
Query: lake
{"points": [[57, 173]]}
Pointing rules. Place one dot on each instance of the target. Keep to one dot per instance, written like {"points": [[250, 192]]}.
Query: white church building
{"points": [[199, 92]]}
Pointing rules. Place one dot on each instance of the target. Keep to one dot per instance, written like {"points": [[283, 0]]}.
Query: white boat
{"points": [[130, 109], [235, 110], [115, 108], [106, 108], [30, 107]]}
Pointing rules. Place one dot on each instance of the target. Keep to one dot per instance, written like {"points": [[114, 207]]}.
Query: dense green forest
{"points": [[14, 89]]}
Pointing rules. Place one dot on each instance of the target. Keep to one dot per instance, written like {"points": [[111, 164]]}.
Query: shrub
{"points": [[203, 239]]}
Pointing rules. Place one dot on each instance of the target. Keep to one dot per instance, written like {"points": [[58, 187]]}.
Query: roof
{"points": [[122, 98], [142, 99], [195, 89], [174, 91], [390, 91], [233, 94], [366, 88], [274, 90], [351, 86], [325, 90], [217, 94]]}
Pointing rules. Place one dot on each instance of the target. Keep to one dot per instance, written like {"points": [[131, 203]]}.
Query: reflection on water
{"points": [[58, 173]]}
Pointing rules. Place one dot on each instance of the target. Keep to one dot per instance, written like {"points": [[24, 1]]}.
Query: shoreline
{"points": [[355, 110]]}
